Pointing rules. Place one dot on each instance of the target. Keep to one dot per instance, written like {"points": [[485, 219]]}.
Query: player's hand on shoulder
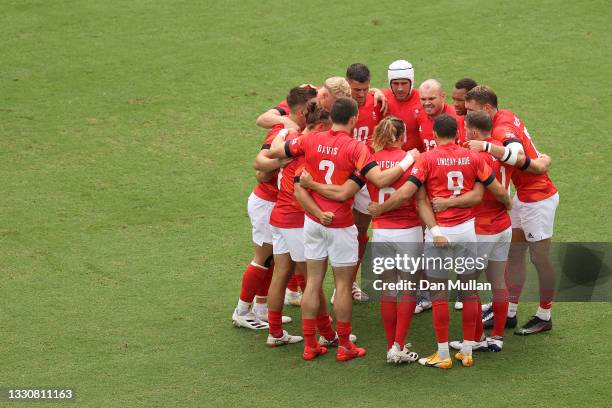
{"points": [[415, 153], [379, 97], [284, 162], [305, 179], [476, 145], [289, 125]]}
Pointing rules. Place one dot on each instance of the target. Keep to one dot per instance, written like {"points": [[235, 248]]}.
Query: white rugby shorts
{"points": [[388, 243], [288, 240], [362, 200], [536, 219], [495, 247], [259, 212], [338, 244], [462, 247]]}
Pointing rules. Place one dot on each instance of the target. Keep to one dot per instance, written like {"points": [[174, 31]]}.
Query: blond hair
{"points": [[388, 131], [338, 87]]}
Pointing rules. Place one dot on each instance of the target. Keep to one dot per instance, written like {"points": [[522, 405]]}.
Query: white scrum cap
{"points": [[400, 69]]}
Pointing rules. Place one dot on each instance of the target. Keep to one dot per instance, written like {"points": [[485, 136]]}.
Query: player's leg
{"points": [[499, 307], [282, 272], [408, 243], [465, 248], [260, 307], [258, 271], [516, 270], [538, 221], [315, 253], [362, 221], [343, 248], [315, 274], [437, 279]]}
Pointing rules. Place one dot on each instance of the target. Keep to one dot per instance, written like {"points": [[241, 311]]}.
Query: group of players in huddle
{"points": [[429, 177]]}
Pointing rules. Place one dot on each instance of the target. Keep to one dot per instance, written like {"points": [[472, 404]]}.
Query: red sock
{"points": [[441, 319], [301, 281], [479, 327], [388, 311], [325, 328], [500, 311], [405, 311], [344, 331], [292, 285], [546, 298], [470, 315], [309, 330], [265, 283], [275, 320], [363, 242], [251, 280]]}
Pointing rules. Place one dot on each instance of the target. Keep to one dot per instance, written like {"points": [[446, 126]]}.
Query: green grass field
{"points": [[127, 137]]}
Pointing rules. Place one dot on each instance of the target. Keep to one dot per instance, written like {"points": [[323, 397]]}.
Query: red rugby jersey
{"points": [[333, 157], [491, 215], [407, 111], [287, 212], [507, 127], [461, 132], [369, 117], [268, 190], [425, 125], [406, 215], [450, 170]]}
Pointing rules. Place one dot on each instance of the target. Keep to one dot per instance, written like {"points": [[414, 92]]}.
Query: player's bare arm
{"points": [[273, 117], [426, 214], [331, 191], [466, 200], [308, 204], [263, 161], [263, 176], [512, 154], [401, 195], [277, 147], [384, 178], [379, 97]]}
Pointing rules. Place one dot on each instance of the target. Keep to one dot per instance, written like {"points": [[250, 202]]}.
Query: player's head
{"points": [[344, 113], [462, 87], [478, 125], [432, 97], [444, 129], [297, 100], [358, 77], [390, 131], [401, 78], [317, 118], [481, 98], [333, 88]]}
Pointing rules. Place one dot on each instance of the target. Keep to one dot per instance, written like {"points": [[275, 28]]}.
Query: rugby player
{"points": [[258, 274], [287, 222], [396, 232], [533, 214], [403, 100]]}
